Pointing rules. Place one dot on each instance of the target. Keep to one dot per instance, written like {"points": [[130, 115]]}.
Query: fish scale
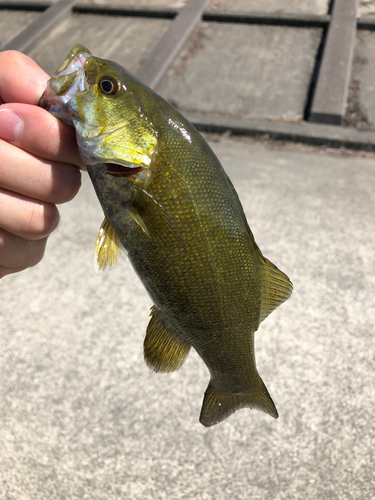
{"points": [[168, 201]]}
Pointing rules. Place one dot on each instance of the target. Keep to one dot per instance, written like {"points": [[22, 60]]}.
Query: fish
{"points": [[171, 208]]}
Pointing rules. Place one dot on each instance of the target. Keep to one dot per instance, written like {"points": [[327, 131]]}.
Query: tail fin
{"points": [[217, 406]]}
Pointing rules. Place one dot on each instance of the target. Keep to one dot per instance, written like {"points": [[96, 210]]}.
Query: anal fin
{"points": [[163, 351], [277, 288], [217, 406]]}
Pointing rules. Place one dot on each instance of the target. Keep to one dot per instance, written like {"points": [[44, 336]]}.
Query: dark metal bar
{"points": [[366, 24], [25, 5], [281, 19], [37, 29], [168, 47], [126, 10], [331, 92], [306, 133]]}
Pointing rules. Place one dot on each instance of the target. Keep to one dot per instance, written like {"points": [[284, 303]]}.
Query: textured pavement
{"points": [[125, 40], [363, 76], [270, 65], [300, 6], [84, 418], [12, 23]]}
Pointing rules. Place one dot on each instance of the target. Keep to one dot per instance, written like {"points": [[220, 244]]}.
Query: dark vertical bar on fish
{"points": [[38, 28], [332, 87], [168, 47]]}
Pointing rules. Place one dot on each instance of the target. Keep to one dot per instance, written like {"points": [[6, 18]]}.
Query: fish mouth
{"points": [[68, 81], [101, 170], [121, 171]]}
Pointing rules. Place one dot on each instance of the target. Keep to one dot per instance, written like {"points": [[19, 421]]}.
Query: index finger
{"points": [[27, 89]]}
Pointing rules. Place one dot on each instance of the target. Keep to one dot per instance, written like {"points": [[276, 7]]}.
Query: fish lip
{"points": [[58, 104], [54, 93], [76, 63]]}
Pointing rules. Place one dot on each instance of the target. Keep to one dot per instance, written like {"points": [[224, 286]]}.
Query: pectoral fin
{"points": [[163, 351], [217, 406], [108, 248], [152, 217]]}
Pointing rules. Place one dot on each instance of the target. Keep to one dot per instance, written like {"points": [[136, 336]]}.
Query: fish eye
{"points": [[109, 85]]}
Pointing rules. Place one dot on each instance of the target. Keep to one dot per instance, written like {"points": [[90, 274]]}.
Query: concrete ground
{"points": [[84, 418], [363, 75], [12, 23], [366, 8], [291, 6], [246, 70], [250, 71], [269, 76], [123, 39]]}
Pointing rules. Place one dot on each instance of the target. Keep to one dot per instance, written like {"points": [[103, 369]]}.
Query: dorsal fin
{"points": [[108, 248], [277, 287], [163, 351]]}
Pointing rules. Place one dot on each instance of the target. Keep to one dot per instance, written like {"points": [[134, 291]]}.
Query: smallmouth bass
{"points": [[169, 203]]}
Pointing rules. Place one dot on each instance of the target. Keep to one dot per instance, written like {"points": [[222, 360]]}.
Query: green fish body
{"points": [[168, 202]]}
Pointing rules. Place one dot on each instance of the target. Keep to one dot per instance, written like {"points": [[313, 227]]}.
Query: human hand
{"points": [[38, 164]]}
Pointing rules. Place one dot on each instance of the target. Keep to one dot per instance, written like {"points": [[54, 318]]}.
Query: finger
{"points": [[25, 217], [27, 89], [36, 178], [35, 130], [17, 254]]}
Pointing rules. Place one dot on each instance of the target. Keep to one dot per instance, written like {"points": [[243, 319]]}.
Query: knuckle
{"points": [[18, 253], [66, 184], [34, 252], [51, 134], [12, 57], [43, 220], [74, 185]]}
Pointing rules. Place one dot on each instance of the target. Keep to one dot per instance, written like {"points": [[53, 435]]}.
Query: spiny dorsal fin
{"points": [[277, 287], [217, 406], [163, 351], [108, 248]]}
